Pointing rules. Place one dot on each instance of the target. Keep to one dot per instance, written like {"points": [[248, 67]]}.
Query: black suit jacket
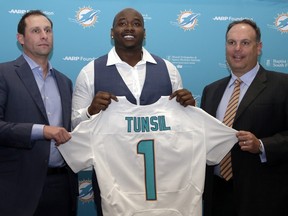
{"points": [[259, 188], [23, 164]]}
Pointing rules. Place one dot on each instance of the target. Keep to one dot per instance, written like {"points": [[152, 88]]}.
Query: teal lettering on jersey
{"points": [[146, 124]]}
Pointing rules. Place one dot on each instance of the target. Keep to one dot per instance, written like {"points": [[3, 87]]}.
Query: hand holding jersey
{"points": [[149, 158]]}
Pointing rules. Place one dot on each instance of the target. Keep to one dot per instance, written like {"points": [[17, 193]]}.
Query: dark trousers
{"points": [[222, 198], [57, 198]]}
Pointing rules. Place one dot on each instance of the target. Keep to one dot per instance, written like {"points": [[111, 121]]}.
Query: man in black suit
{"points": [[35, 112], [260, 162]]}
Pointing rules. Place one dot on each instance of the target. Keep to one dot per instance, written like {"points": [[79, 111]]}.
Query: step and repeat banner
{"points": [[190, 34]]}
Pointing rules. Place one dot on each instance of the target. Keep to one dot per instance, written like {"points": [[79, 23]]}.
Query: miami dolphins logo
{"points": [[281, 23], [86, 17], [187, 20], [85, 191]]}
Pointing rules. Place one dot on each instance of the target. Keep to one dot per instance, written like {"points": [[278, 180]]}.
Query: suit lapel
{"points": [[25, 74], [256, 87]]}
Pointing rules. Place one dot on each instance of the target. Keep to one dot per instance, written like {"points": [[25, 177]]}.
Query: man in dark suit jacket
{"points": [[260, 162], [35, 112]]}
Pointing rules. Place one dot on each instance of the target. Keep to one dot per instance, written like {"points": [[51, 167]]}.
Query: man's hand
{"points": [[248, 142], [59, 134], [184, 97], [100, 102]]}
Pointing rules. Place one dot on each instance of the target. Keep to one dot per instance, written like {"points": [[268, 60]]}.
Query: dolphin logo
{"points": [[283, 23], [88, 16], [189, 19], [85, 191]]}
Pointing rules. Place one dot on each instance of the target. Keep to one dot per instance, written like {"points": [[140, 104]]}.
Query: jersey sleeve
{"points": [[77, 152], [219, 139]]}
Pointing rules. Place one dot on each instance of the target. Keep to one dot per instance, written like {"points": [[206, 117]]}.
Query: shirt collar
{"points": [[114, 59], [33, 65], [247, 78]]}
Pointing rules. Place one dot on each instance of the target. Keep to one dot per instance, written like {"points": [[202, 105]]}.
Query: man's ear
{"points": [[20, 39]]}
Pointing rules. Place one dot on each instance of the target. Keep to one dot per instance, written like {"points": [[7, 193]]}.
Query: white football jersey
{"points": [[150, 160]]}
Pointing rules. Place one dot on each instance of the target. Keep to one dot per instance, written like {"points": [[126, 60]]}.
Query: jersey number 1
{"points": [[146, 147]]}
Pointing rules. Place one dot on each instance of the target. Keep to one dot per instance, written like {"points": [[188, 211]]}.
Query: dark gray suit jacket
{"points": [[23, 164], [259, 188]]}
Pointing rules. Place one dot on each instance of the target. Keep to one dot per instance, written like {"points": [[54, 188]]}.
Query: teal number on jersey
{"points": [[146, 147]]}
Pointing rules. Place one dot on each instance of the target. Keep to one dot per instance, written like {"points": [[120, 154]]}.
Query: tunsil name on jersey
{"points": [[146, 124]]}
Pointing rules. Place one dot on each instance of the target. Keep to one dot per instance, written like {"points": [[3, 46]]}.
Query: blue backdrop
{"points": [[191, 34]]}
